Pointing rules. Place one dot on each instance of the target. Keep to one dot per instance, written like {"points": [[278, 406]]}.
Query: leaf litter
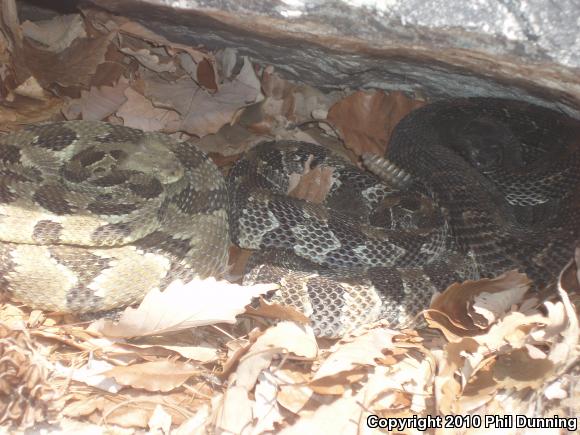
{"points": [[184, 361]]}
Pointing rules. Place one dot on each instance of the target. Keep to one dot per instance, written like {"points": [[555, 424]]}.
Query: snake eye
{"points": [[485, 158]]}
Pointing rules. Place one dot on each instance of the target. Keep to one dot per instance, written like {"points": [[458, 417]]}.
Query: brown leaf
{"points": [[199, 423], [206, 75], [277, 311], [31, 88], [137, 30], [98, 103], [366, 119], [238, 258], [73, 66], [265, 408], [154, 376], [518, 370], [312, 185], [81, 408], [127, 416], [150, 60], [452, 311], [138, 112], [275, 86], [110, 72], [288, 101], [203, 354], [203, 112], [482, 383], [27, 111], [230, 141]]}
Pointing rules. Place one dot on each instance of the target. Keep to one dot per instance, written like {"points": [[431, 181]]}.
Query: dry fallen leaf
{"points": [[27, 394], [521, 352], [138, 30], [206, 75], [277, 311], [138, 112], [519, 370], [287, 101], [343, 416], [366, 120], [234, 414], [570, 276], [182, 306], [285, 337], [199, 424], [453, 313], [55, 34], [150, 60], [31, 88], [93, 373], [160, 421], [363, 350], [29, 111], [203, 354], [266, 408], [204, 112], [294, 391], [313, 185], [98, 103], [154, 376], [73, 66]]}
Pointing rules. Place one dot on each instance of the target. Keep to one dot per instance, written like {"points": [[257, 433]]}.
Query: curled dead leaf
{"points": [[570, 277], [468, 308]]}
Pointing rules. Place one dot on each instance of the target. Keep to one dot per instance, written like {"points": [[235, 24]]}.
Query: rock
{"points": [[526, 49]]}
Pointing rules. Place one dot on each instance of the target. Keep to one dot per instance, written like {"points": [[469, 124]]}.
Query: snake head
{"points": [[486, 144], [484, 157], [152, 156]]}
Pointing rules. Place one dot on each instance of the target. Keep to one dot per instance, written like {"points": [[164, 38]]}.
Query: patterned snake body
{"points": [[92, 216], [481, 186], [506, 172]]}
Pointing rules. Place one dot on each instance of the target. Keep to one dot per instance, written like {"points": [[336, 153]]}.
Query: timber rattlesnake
{"points": [[480, 186], [92, 216]]}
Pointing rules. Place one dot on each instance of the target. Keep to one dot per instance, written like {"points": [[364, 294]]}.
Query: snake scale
{"points": [[93, 215]]}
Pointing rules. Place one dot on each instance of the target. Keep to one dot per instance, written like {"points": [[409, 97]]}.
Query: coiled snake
{"points": [[92, 216]]}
